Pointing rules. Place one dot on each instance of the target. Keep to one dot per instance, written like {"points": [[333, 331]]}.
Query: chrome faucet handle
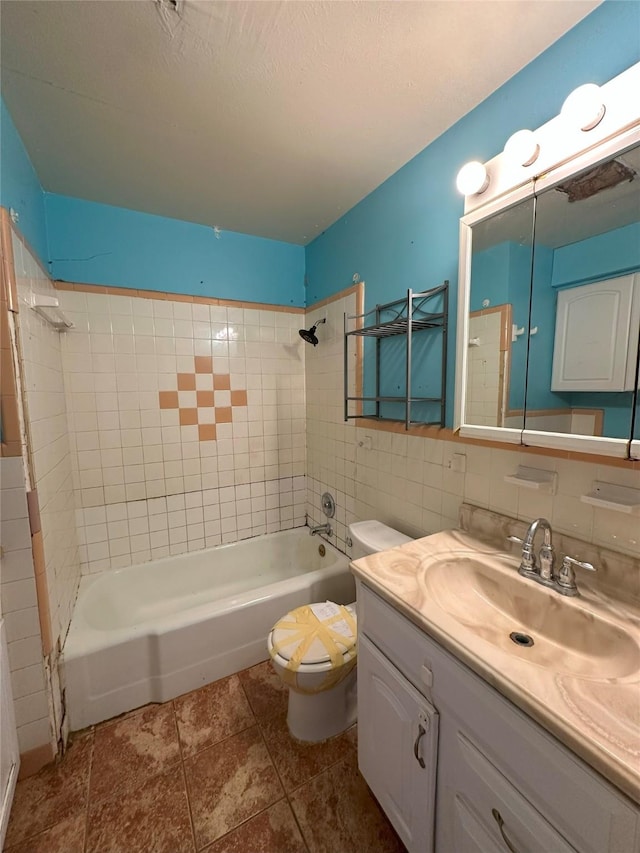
{"points": [[515, 539], [566, 579]]}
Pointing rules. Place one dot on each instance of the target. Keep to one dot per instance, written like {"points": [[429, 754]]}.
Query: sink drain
{"points": [[521, 639]]}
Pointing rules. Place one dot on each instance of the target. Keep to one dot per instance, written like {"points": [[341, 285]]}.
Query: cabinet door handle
{"points": [[498, 819], [416, 746]]}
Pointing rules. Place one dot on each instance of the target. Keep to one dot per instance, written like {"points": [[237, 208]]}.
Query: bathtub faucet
{"points": [[322, 528]]}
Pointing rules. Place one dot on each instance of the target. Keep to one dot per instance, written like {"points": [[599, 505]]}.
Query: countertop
{"points": [[596, 716]]}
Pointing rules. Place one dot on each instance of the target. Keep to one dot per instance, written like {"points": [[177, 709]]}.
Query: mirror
{"points": [[501, 261], [585, 302], [551, 310]]}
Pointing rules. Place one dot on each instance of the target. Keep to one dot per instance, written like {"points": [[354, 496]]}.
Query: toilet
{"points": [[314, 651]]}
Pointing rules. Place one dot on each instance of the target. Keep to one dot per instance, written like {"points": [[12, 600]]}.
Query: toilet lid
{"points": [[314, 634]]}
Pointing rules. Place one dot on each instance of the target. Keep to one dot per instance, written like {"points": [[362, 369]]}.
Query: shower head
{"points": [[310, 335]]}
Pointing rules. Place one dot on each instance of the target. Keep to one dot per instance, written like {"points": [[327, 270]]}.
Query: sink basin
{"points": [[492, 600]]}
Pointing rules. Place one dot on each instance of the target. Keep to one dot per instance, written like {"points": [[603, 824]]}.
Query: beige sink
{"points": [[487, 596]]}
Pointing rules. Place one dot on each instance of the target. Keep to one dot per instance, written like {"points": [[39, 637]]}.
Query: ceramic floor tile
{"points": [[337, 812], [155, 817], [266, 693], [55, 793], [64, 837], [272, 831], [133, 750], [297, 762], [229, 783], [212, 713]]}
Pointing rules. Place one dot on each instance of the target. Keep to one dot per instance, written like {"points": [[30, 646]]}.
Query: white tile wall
{"points": [[18, 606], [43, 385], [412, 483], [131, 532], [331, 443], [484, 370], [147, 486]]}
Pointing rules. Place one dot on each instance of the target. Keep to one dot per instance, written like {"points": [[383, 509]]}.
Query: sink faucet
{"points": [[563, 581], [322, 528], [542, 570]]}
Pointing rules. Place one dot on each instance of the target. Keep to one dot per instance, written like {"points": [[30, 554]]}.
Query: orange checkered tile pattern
{"points": [[210, 398]]}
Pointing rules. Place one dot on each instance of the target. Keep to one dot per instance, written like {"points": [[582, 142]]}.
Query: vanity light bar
{"points": [[591, 114], [522, 148], [584, 108], [472, 178]]}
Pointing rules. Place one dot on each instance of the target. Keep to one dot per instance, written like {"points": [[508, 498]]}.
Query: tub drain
{"points": [[521, 639]]}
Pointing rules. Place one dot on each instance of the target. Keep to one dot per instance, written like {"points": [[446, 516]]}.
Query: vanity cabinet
{"points": [[502, 782], [397, 746]]}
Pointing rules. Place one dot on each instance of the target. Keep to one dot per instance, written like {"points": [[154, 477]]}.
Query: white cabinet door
{"points": [[397, 747], [596, 336], [9, 755], [479, 808]]}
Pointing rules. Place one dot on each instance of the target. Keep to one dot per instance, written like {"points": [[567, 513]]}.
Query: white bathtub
{"points": [[151, 632]]}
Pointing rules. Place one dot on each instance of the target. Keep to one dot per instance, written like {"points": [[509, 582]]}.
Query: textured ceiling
{"points": [[269, 118]]}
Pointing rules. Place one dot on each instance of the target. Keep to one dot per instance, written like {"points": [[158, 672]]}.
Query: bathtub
{"points": [[150, 632]]}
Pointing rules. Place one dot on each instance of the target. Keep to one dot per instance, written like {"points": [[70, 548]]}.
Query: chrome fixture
{"points": [[542, 569], [328, 504], [322, 528], [309, 335], [566, 580], [529, 568]]}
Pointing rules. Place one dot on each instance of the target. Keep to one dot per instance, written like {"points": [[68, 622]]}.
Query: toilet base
{"points": [[323, 715]]}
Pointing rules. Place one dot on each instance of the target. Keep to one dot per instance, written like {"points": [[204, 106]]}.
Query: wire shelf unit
{"points": [[417, 313]]}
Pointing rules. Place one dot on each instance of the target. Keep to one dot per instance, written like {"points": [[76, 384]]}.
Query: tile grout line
{"points": [[275, 767], [184, 775], [239, 825], [217, 743]]}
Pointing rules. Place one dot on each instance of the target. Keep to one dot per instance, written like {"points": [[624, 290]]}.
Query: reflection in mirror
{"points": [[585, 302], [498, 317]]}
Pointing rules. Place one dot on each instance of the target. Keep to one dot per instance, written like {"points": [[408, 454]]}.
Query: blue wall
{"points": [[82, 241], [100, 244], [603, 256], [405, 233], [19, 186]]}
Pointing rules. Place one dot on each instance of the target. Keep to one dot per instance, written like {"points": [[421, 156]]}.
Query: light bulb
{"points": [[522, 148], [473, 178], [584, 107]]}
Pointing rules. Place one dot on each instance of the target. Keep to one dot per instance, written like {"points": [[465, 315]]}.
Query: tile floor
{"points": [[215, 770]]}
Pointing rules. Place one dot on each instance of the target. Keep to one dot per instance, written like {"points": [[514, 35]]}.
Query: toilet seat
{"points": [[318, 638]]}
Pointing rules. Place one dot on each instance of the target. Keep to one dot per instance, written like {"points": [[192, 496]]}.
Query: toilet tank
{"points": [[369, 537]]}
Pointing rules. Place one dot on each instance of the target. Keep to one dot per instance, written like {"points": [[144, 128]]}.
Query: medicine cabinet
{"points": [[549, 307]]}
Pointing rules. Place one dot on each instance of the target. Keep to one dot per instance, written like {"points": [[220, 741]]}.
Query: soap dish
{"points": [[534, 478], [617, 498]]}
